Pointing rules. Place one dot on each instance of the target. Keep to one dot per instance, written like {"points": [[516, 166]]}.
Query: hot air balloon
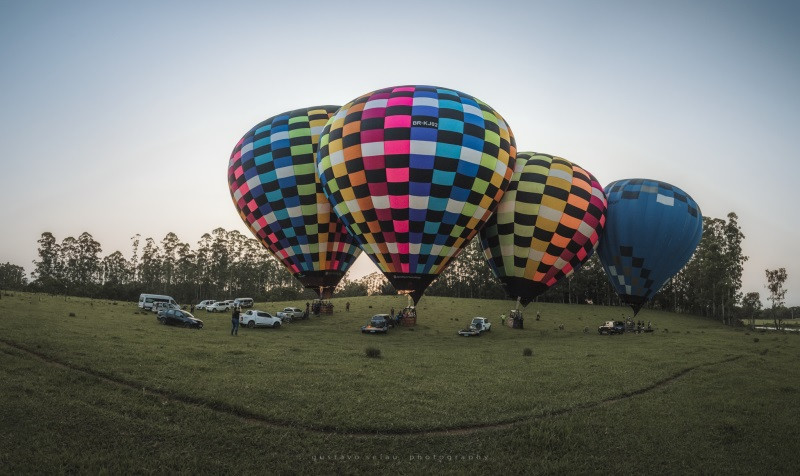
{"points": [[547, 224], [652, 230], [414, 172], [274, 185]]}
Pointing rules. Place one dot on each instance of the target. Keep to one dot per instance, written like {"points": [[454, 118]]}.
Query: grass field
{"points": [[96, 386]]}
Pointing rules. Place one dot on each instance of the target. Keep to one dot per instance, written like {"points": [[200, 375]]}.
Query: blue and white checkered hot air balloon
{"points": [[652, 229]]}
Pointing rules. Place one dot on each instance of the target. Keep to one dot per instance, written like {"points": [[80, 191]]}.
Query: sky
{"points": [[119, 118]]}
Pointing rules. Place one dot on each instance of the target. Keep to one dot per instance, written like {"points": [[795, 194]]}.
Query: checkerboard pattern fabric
{"points": [[547, 224], [651, 232], [414, 172], [274, 185]]}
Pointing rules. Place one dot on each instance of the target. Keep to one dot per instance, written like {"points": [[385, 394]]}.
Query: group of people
{"points": [[637, 326], [408, 312], [515, 321]]}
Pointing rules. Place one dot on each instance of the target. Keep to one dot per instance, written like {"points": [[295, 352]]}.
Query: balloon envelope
{"points": [[547, 224], [652, 229], [274, 185], [414, 172]]}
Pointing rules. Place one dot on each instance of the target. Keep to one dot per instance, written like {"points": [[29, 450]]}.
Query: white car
{"points": [[243, 302], [205, 304], [290, 313], [255, 318], [481, 324], [220, 306]]}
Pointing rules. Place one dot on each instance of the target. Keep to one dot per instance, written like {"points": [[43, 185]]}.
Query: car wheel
{"points": [[251, 324], [186, 325], [276, 325]]}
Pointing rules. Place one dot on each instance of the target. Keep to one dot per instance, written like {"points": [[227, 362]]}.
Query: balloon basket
{"points": [[321, 307], [516, 320], [408, 321], [409, 317]]}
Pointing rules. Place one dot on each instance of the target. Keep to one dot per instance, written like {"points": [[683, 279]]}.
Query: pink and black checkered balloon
{"points": [[414, 172]]}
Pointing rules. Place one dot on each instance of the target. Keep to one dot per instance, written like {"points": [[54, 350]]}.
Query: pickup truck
{"points": [[379, 324], [612, 327], [290, 313], [254, 318]]}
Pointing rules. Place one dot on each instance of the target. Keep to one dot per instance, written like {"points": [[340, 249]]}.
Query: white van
{"points": [[146, 300], [243, 302]]}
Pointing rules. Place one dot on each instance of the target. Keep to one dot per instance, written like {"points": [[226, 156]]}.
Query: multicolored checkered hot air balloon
{"points": [[547, 225], [274, 185], [414, 172], [651, 232]]}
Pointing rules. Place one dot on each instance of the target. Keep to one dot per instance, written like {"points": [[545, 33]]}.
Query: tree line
{"points": [[226, 264]]}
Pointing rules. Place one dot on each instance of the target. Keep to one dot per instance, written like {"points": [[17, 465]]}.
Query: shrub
{"points": [[755, 339], [527, 352], [71, 314], [373, 352]]}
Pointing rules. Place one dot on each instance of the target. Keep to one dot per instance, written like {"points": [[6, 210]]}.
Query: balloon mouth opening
{"points": [[635, 302], [522, 290], [321, 282], [412, 285]]}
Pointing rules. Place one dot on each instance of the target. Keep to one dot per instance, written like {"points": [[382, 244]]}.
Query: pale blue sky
{"points": [[118, 118]]}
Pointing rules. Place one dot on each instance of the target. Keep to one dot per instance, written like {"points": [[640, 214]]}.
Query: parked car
{"points": [[220, 306], [255, 318], [205, 304], [379, 324], [481, 324], [290, 313], [146, 300], [478, 326], [612, 327], [243, 302], [178, 317], [163, 306]]}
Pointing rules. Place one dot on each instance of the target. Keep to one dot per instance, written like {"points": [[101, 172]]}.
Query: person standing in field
{"points": [[235, 321], [347, 306]]}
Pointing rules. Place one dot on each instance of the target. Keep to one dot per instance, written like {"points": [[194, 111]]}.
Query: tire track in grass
{"points": [[251, 417]]}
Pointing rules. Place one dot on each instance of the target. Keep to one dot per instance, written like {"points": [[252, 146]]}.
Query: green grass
{"points": [[112, 390]]}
